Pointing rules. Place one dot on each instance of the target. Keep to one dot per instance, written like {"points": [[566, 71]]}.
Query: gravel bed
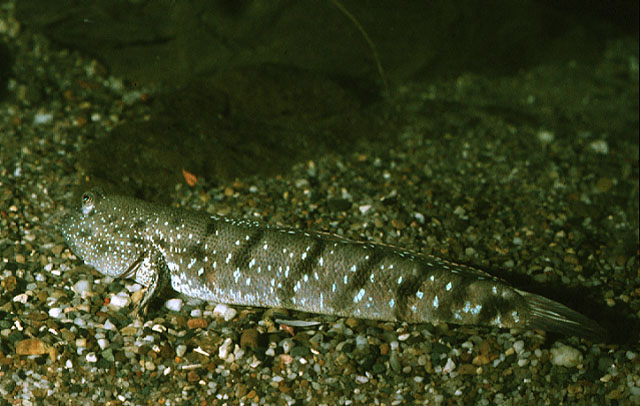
{"points": [[556, 207]]}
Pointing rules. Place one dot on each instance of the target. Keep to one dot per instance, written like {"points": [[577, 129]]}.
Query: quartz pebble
{"points": [[175, 305], [224, 311], [565, 356], [82, 288]]}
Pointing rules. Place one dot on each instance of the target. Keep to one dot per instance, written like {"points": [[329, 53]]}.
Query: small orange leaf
{"points": [[189, 177]]}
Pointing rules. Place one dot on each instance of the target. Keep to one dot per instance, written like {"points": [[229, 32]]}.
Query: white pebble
{"points": [[181, 350], [287, 345], [600, 147], [361, 379], [224, 311], [545, 137], [174, 305], [103, 343], [118, 301], [518, 346], [42, 118], [92, 357], [225, 349], [82, 287], [21, 298], [449, 366], [565, 356], [364, 208], [55, 312], [108, 325]]}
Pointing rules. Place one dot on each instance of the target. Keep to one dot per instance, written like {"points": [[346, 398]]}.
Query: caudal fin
{"points": [[546, 314]]}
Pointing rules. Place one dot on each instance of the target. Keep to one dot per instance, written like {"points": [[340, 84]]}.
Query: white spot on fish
{"points": [[321, 261], [265, 246], [399, 280], [353, 268], [392, 303], [514, 314], [237, 242], [476, 309], [200, 271], [419, 294], [333, 287], [304, 255], [448, 287], [432, 278], [226, 261], [248, 282], [346, 279], [236, 274], [252, 263], [359, 296], [436, 302]]}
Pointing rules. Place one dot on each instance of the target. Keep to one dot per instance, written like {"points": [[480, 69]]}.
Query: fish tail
{"points": [[546, 314]]}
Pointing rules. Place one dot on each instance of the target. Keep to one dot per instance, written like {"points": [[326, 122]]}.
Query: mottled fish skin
{"points": [[245, 263]]}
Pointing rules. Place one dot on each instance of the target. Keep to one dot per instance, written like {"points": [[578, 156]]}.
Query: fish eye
{"points": [[87, 202]]}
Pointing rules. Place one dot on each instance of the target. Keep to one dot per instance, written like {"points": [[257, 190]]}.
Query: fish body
{"points": [[246, 263]]}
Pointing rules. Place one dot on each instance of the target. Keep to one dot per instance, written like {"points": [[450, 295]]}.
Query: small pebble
{"points": [[181, 349], [225, 312], [82, 288], [103, 343], [175, 305], [119, 301], [196, 323], [565, 356], [225, 349], [91, 357]]}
